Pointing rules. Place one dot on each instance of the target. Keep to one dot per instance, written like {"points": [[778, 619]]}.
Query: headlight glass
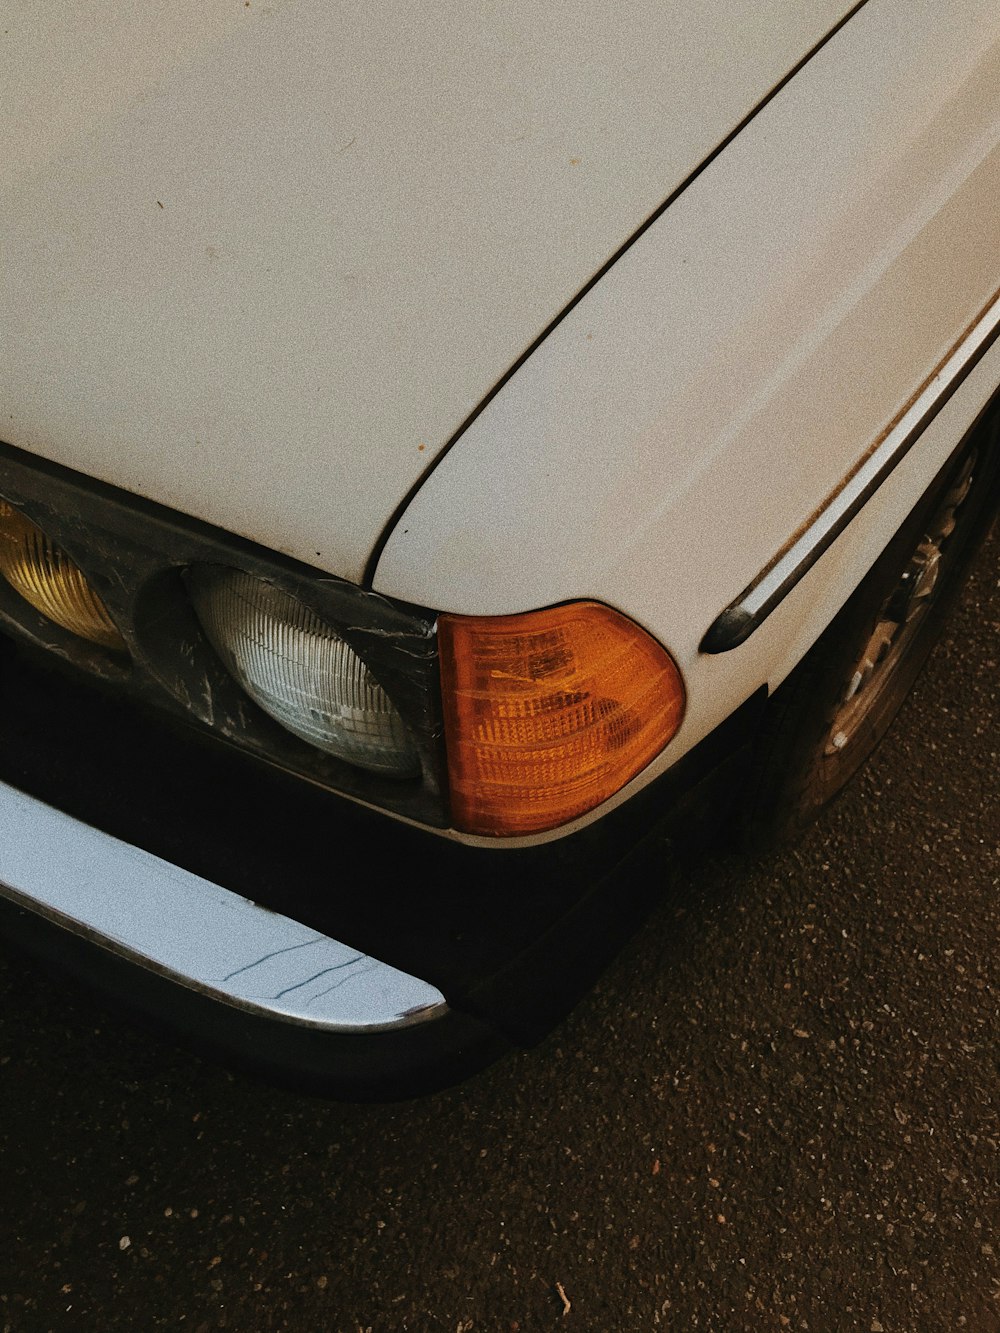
{"points": [[301, 672], [51, 582]]}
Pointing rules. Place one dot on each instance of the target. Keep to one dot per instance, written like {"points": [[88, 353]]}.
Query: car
{"points": [[441, 449]]}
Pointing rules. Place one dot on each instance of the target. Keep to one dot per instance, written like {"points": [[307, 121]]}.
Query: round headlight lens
{"points": [[301, 672], [51, 582]]}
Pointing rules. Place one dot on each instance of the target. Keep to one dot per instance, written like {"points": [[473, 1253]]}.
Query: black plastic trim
{"points": [[745, 614]]}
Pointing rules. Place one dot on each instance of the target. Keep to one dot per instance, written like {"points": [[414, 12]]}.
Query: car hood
{"points": [[261, 264]]}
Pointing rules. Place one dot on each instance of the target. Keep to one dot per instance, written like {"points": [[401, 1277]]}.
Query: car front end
{"points": [[427, 442]]}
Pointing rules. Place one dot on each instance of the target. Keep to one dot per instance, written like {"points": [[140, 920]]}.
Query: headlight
{"points": [[549, 713], [51, 582], [299, 670]]}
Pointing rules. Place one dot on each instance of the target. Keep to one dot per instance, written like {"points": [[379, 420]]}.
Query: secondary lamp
{"points": [[549, 713], [51, 582]]}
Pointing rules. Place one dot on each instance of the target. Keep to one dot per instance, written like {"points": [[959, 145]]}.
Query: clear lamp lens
{"points": [[301, 672], [51, 582]]}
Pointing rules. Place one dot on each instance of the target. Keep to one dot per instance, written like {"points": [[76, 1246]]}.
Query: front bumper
{"points": [[199, 934], [246, 980], [286, 929]]}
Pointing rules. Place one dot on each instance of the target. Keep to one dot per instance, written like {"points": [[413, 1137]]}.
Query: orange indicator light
{"points": [[549, 713]]}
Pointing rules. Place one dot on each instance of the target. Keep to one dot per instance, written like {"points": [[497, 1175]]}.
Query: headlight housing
{"points": [[493, 726]]}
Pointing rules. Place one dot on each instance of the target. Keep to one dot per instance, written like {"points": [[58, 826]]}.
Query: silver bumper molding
{"points": [[197, 933]]}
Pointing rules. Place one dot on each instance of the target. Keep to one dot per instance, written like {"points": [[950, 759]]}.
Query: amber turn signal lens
{"points": [[51, 582], [549, 713]]}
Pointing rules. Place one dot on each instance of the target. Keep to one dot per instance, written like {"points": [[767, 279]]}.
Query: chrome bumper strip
{"points": [[195, 932], [750, 609]]}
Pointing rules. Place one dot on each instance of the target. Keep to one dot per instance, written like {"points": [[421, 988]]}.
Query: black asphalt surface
{"points": [[778, 1110]]}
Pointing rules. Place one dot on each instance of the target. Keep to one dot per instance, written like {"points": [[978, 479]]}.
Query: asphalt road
{"points": [[779, 1110]]}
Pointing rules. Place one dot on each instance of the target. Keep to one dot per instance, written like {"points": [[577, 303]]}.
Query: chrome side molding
{"points": [[194, 932], [747, 612]]}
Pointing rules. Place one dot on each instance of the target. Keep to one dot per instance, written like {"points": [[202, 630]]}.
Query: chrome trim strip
{"points": [[194, 932], [750, 609]]}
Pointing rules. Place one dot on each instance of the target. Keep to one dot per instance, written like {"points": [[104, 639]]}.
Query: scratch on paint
{"points": [[274, 954], [339, 967]]}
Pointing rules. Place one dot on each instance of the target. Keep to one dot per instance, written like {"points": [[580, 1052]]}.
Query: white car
{"points": [[441, 442]]}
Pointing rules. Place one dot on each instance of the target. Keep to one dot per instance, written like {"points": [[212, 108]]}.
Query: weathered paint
{"points": [[260, 261]]}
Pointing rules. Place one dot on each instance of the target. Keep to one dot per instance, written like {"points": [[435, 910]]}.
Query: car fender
{"points": [[694, 410]]}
